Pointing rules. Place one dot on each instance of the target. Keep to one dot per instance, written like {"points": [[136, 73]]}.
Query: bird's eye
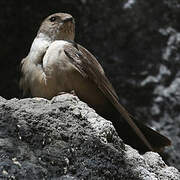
{"points": [[52, 19]]}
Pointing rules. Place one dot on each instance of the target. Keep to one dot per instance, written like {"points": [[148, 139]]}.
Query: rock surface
{"points": [[136, 41], [65, 139]]}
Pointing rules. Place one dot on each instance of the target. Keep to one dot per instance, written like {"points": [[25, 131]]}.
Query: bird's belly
{"points": [[71, 80], [43, 88], [88, 92]]}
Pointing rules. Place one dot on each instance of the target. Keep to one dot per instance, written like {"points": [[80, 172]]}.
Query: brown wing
{"points": [[89, 67], [99, 69]]}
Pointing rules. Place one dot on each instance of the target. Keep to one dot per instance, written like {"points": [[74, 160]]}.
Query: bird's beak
{"points": [[68, 19]]}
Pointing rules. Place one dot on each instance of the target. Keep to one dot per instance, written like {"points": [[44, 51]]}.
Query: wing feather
{"points": [[89, 68]]}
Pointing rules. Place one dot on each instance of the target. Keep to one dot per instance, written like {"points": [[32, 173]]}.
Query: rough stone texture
{"points": [[65, 139], [136, 41]]}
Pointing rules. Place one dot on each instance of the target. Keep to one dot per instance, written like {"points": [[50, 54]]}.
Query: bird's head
{"points": [[58, 26]]}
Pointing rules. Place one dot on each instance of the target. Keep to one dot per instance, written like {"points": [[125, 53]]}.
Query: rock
{"points": [[136, 41], [65, 139]]}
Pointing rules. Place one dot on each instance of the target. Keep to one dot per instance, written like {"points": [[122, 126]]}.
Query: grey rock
{"points": [[65, 139], [136, 41]]}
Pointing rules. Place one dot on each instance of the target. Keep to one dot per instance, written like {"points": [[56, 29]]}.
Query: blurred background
{"points": [[137, 42]]}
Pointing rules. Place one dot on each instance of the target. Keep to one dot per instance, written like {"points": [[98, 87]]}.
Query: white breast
{"points": [[39, 47], [53, 53]]}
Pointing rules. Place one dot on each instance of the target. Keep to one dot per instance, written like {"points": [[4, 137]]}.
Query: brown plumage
{"points": [[57, 64]]}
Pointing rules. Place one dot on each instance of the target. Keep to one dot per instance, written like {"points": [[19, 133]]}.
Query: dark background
{"points": [[137, 45]]}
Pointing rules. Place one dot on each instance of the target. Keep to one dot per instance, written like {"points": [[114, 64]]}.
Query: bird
{"points": [[57, 64]]}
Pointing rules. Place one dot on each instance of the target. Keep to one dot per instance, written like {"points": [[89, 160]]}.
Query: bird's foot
{"points": [[61, 93], [71, 92]]}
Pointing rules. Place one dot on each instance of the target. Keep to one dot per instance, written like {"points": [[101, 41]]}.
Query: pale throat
{"points": [[39, 47]]}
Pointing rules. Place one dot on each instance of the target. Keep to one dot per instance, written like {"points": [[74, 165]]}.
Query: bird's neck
{"points": [[38, 48]]}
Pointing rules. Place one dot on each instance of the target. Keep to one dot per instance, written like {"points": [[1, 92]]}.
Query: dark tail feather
{"points": [[157, 141]]}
